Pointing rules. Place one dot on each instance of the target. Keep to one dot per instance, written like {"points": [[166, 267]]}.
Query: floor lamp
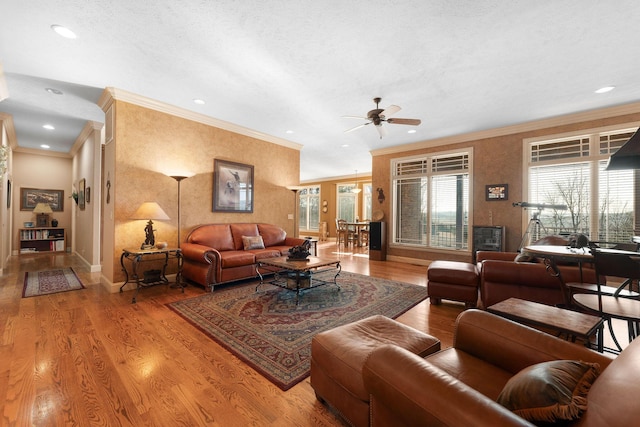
{"points": [[295, 189], [179, 178]]}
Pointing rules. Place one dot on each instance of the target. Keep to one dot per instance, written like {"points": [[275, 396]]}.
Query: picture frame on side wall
{"points": [[497, 192], [232, 187], [81, 193], [30, 197]]}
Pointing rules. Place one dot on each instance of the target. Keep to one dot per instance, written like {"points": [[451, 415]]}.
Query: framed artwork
{"points": [[30, 197], [232, 187], [496, 192], [81, 193]]}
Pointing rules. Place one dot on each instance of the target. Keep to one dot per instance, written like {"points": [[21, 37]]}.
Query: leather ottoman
{"points": [[454, 281], [338, 355]]}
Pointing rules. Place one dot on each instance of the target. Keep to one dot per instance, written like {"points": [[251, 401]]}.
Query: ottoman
{"points": [[453, 280], [338, 355]]}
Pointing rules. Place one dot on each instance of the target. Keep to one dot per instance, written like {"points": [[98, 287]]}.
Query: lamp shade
{"points": [[150, 210], [42, 208]]}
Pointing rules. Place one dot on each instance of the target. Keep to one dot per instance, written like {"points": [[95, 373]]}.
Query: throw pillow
{"points": [[252, 242], [550, 391], [525, 258]]}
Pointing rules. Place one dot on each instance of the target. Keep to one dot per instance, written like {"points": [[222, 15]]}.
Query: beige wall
{"points": [[149, 145], [496, 160], [45, 172]]}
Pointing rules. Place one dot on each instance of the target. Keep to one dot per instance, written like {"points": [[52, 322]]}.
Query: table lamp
{"points": [[42, 211], [149, 211]]}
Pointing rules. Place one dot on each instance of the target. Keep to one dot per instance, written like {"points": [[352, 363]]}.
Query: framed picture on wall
{"points": [[81, 193], [232, 187], [30, 197], [496, 192]]}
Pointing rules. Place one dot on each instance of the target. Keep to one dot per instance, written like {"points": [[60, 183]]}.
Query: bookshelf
{"points": [[42, 239]]}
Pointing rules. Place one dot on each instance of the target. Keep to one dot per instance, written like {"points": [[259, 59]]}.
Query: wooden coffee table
{"points": [[298, 275], [570, 323]]}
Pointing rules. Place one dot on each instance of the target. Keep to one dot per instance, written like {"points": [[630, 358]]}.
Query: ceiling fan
{"points": [[379, 115]]}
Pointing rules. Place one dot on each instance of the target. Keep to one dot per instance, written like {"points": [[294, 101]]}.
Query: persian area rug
{"points": [[50, 282], [273, 335]]}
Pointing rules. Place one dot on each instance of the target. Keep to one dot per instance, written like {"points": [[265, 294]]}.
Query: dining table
{"points": [[355, 228]]}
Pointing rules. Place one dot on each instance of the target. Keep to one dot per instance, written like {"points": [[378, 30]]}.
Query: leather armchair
{"points": [[459, 386]]}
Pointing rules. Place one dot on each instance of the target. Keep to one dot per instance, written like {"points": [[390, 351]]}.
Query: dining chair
{"points": [[342, 232], [364, 233], [610, 306]]}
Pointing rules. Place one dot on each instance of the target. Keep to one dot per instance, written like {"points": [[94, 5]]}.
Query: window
{"points": [[366, 199], [347, 202], [571, 172], [309, 212], [431, 199]]}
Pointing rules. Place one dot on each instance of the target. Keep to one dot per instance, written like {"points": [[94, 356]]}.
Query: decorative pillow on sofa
{"points": [[252, 242], [525, 258], [550, 391]]}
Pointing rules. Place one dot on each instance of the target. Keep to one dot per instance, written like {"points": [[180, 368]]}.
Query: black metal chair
{"points": [[613, 263]]}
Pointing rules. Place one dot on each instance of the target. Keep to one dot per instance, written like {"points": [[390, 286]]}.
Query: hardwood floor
{"points": [[90, 358]]}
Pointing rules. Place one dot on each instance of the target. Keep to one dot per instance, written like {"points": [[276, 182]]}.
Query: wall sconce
{"points": [[380, 194], [149, 211], [42, 211]]}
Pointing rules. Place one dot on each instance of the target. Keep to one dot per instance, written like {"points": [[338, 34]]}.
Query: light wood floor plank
{"points": [[92, 358]]}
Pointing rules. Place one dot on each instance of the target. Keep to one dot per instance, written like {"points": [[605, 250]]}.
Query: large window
{"points": [[367, 200], [431, 200], [309, 212], [347, 202], [570, 172]]}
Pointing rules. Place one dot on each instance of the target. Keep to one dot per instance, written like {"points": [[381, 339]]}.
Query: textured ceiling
{"points": [[276, 66]]}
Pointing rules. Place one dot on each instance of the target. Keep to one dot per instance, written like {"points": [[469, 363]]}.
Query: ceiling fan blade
{"points": [[391, 109], [354, 117], [357, 127], [412, 122], [381, 130]]}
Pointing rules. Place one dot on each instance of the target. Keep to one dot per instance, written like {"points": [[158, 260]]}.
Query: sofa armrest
{"points": [[293, 241], [500, 256], [199, 253], [513, 346], [422, 394]]}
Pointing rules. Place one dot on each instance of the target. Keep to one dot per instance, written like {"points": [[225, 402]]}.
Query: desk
{"points": [[152, 277], [572, 324]]}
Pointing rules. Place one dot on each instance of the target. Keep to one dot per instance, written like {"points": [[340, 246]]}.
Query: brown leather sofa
{"points": [[501, 277], [215, 253], [459, 386]]}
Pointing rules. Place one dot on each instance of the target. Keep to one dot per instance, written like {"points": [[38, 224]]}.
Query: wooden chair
{"points": [[342, 232], [611, 306], [364, 234]]}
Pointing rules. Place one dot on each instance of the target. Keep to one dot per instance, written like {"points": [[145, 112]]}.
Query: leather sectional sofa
{"points": [[460, 386], [219, 253]]}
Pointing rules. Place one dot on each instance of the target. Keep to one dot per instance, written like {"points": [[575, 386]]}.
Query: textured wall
{"points": [[149, 145]]}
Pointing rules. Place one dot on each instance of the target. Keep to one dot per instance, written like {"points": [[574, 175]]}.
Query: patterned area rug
{"points": [[273, 335], [50, 282]]}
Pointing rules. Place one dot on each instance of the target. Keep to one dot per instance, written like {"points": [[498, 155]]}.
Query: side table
{"points": [[136, 256], [570, 323]]}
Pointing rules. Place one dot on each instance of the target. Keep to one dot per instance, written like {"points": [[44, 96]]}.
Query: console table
{"points": [[151, 277]]}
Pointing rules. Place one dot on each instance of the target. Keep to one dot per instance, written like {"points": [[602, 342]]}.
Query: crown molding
{"points": [[583, 116], [86, 132], [112, 93], [7, 121], [38, 152]]}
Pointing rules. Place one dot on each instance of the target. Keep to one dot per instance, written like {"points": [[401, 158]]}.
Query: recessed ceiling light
{"points": [[63, 31], [199, 101], [45, 146], [289, 131], [344, 145], [412, 131], [48, 127], [53, 91], [605, 89]]}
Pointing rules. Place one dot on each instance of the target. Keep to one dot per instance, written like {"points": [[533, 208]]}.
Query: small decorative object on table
{"points": [[300, 253]]}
